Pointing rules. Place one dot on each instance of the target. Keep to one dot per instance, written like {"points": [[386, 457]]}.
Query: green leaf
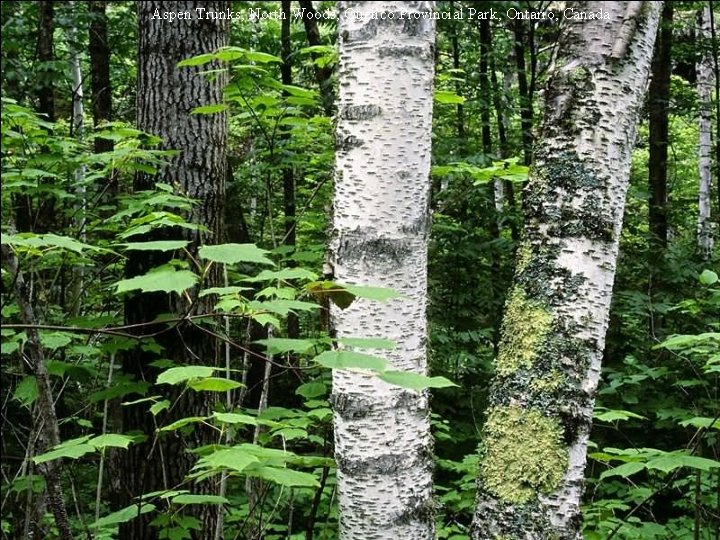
{"points": [[311, 390], [606, 415], [266, 319], [696, 462], [210, 109], [235, 253], [72, 449], [286, 345], [177, 375], [702, 422], [55, 340], [26, 391], [708, 277], [214, 384], [414, 381], [669, 463], [285, 477], [190, 498], [113, 440], [224, 290], [285, 274], [50, 241], [124, 515], [236, 459], [624, 470], [164, 279], [157, 245], [198, 60], [261, 57], [367, 343], [371, 293], [447, 97], [157, 408], [235, 418], [340, 359], [283, 307], [184, 422], [290, 433]]}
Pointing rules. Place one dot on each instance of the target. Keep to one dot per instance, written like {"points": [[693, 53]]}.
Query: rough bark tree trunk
{"points": [[381, 214], [705, 234], [100, 84], [658, 103], [48, 429], [46, 86], [534, 443], [166, 96]]}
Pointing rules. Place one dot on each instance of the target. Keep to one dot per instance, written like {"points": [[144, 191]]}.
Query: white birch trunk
{"points": [[383, 444], [704, 88], [541, 402], [78, 131]]}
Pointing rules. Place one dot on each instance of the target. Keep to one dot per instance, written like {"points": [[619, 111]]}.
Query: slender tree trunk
{"points": [[715, 48], [507, 188], [100, 84], [460, 109], [40, 218], [381, 214], [534, 441], [288, 173], [46, 74], [526, 105], [166, 96], [48, 431], [705, 238], [486, 100], [323, 75], [78, 131], [658, 102]]}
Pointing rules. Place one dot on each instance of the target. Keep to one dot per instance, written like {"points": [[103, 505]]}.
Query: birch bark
{"points": [[704, 88], [534, 441], [381, 215]]}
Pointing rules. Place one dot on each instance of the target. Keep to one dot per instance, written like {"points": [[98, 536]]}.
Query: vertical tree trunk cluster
{"points": [[166, 97], [540, 405], [383, 445]]}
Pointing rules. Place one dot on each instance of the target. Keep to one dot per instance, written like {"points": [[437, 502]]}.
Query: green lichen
{"points": [[523, 454], [524, 255], [525, 326], [548, 383]]}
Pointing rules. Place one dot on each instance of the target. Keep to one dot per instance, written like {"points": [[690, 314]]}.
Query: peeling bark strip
{"points": [[534, 446], [382, 433]]}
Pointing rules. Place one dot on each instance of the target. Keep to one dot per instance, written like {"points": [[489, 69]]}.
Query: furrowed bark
{"points": [[540, 405], [383, 445], [167, 94]]}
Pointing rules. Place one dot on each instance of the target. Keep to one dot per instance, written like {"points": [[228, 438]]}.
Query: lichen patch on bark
{"points": [[525, 326], [524, 454]]}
